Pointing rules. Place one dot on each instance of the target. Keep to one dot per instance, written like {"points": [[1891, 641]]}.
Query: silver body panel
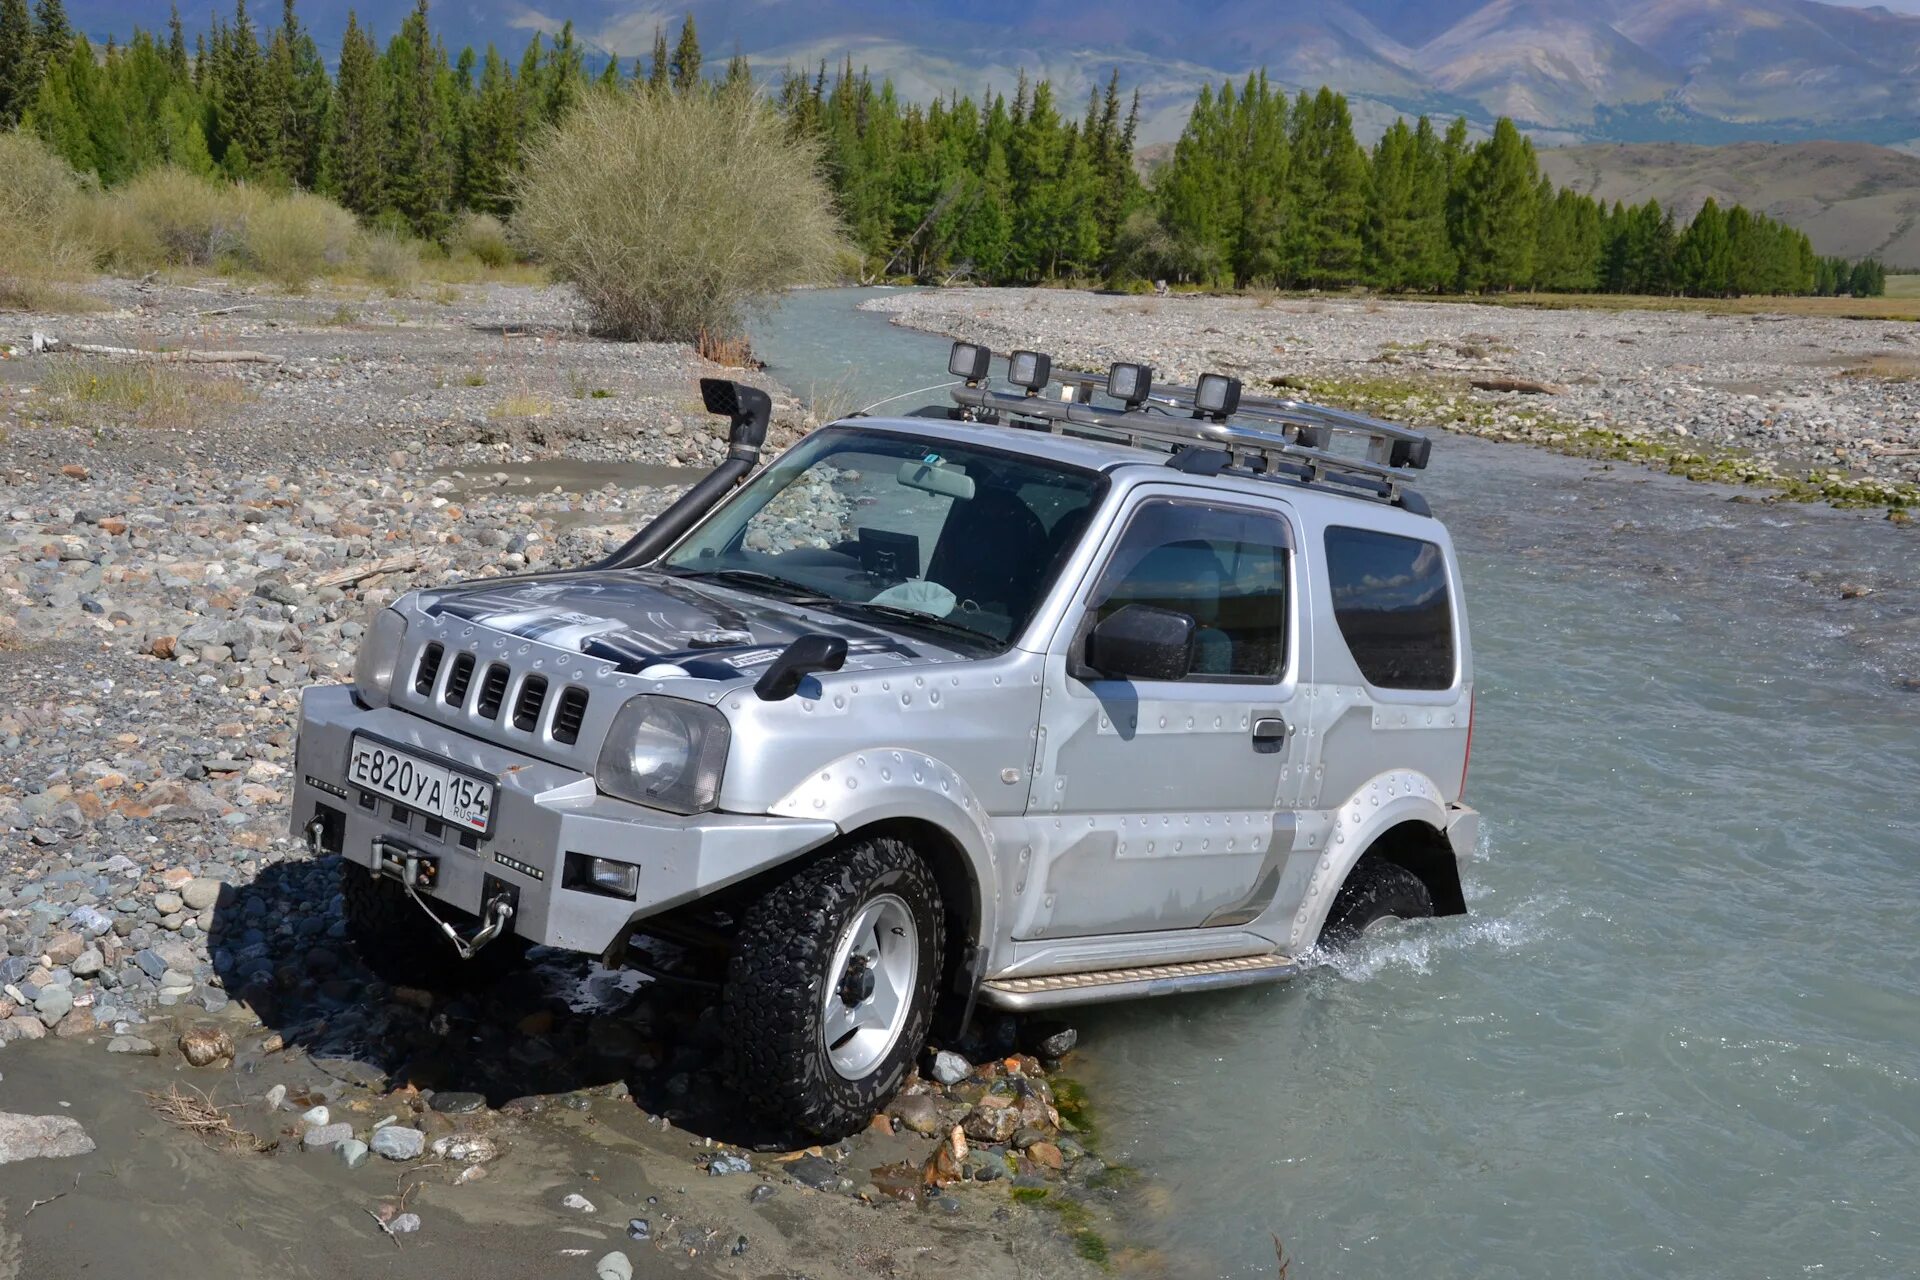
{"points": [[1105, 825]]}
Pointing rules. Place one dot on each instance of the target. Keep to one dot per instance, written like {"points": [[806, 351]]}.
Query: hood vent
{"points": [[526, 707], [493, 690]]}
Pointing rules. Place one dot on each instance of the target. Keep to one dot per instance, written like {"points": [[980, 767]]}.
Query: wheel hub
{"points": [[870, 986]]}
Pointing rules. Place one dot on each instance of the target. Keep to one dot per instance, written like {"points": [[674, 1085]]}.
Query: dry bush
{"points": [[39, 193], [293, 238], [387, 259], [673, 214], [482, 237], [169, 217]]}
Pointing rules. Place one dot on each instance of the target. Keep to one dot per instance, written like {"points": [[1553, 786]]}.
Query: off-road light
{"points": [[1216, 396], [589, 874], [969, 361], [1410, 453], [1029, 369], [1130, 383]]}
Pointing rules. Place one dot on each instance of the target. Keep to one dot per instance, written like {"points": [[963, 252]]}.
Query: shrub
{"points": [[674, 214], [483, 237], [295, 237], [388, 259], [169, 217], [39, 194]]}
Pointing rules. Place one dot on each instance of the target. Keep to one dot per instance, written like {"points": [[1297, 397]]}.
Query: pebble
{"points": [[132, 1044], [326, 1135], [353, 1152], [613, 1266], [403, 1224], [722, 1165], [465, 1148], [639, 1229], [394, 1142], [578, 1202], [206, 1046], [314, 1115], [275, 1096], [762, 1193], [950, 1068]]}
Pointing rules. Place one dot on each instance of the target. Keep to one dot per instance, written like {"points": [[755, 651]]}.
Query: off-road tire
{"points": [[771, 1009], [1375, 890], [394, 938]]}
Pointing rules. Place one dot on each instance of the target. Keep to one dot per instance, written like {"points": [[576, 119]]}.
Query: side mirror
{"points": [[1142, 642]]}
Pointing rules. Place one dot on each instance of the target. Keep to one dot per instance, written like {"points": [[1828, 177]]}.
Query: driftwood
{"points": [[372, 569], [1524, 386], [1896, 453], [48, 343]]}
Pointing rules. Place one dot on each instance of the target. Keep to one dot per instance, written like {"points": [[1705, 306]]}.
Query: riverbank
{"points": [[183, 546], [1808, 408]]}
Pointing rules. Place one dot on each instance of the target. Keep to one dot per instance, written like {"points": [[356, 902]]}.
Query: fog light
{"points": [[602, 876], [1029, 369], [969, 361], [1130, 383], [1217, 396]]}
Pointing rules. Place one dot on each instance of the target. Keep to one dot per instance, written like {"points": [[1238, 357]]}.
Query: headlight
{"points": [[379, 654], [666, 754]]}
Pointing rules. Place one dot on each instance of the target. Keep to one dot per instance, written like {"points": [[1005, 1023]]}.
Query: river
{"points": [[1678, 1032]]}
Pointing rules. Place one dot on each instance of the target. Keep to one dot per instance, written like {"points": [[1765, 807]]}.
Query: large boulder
{"points": [[31, 1137]]}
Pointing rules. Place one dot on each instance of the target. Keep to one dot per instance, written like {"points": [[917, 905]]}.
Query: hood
{"points": [[638, 619]]}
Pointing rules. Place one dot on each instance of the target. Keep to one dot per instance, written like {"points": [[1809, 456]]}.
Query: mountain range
{"points": [[1568, 70]]}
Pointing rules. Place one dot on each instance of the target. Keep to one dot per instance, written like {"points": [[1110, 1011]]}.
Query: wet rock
{"points": [[918, 1112], [53, 1004], [459, 1104], [577, 1202], [321, 1136], [721, 1166], [762, 1193], [613, 1266], [395, 1142], [403, 1224], [1046, 1155], [1050, 1040], [205, 1046], [353, 1152], [950, 1068], [819, 1173], [994, 1125], [639, 1229], [315, 1116], [41, 1137], [132, 1044], [275, 1096]]}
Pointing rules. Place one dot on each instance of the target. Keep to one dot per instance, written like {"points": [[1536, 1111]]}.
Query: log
{"points": [[404, 563], [1524, 386], [48, 343]]}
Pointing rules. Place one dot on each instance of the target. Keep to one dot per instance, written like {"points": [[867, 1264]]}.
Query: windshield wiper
{"points": [[916, 618], [796, 592]]}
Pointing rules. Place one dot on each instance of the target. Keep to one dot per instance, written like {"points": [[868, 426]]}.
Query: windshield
{"points": [[894, 528]]}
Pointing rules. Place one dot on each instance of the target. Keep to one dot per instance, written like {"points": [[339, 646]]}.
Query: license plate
{"points": [[433, 789]]}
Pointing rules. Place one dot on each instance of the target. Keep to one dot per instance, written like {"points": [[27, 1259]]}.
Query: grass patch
{"points": [[1070, 1100], [476, 379], [1905, 306], [1885, 367], [144, 393], [523, 405], [343, 316], [37, 294]]}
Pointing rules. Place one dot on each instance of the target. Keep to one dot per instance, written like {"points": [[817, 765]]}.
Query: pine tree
{"points": [[54, 34], [739, 75], [419, 176], [563, 76], [245, 123], [1703, 262], [20, 64], [491, 147], [1327, 192], [1497, 225], [609, 77], [658, 76], [177, 44], [686, 59], [356, 141]]}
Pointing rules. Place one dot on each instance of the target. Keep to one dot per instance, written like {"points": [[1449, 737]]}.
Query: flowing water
{"points": [[1678, 1033]]}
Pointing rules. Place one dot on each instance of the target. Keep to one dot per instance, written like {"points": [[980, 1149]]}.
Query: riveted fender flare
{"points": [[892, 783], [1377, 806]]}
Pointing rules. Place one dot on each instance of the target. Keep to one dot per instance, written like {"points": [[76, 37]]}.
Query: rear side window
{"points": [[1391, 600]]}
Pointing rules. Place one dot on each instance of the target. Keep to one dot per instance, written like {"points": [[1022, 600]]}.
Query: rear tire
{"points": [[1375, 891], [830, 987], [394, 938]]}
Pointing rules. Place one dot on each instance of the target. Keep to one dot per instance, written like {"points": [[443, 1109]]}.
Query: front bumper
{"points": [[541, 813]]}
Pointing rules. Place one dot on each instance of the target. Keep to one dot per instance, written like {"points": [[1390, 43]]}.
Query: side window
{"points": [[1225, 567], [1391, 600]]}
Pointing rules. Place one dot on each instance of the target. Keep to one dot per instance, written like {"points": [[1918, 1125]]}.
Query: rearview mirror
{"points": [[1142, 642]]}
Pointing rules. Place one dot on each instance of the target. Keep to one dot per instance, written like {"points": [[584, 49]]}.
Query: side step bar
{"points": [[1021, 995]]}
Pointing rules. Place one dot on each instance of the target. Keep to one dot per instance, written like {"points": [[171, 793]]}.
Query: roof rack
{"points": [[1264, 436]]}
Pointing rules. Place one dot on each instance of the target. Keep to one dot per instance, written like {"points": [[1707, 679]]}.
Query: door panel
{"points": [[1155, 805]]}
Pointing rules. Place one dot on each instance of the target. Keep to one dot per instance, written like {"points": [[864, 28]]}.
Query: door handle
{"points": [[1270, 733]]}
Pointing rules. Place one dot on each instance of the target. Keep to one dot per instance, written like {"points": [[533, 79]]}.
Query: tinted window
{"points": [[1390, 597], [1226, 568]]}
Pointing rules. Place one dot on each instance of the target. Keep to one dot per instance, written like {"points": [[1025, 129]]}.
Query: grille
{"points": [[526, 707], [429, 669], [458, 679], [568, 716], [493, 688]]}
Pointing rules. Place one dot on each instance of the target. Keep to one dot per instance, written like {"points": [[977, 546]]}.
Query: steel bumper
{"points": [[542, 812]]}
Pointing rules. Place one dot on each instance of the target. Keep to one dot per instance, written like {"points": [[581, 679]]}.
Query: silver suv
{"points": [[1080, 691]]}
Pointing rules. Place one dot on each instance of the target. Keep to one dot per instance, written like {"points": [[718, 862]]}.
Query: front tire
{"points": [[1376, 891], [394, 938], [830, 987]]}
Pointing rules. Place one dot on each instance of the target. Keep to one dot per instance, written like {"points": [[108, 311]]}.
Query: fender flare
{"points": [[1377, 806], [882, 784]]}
